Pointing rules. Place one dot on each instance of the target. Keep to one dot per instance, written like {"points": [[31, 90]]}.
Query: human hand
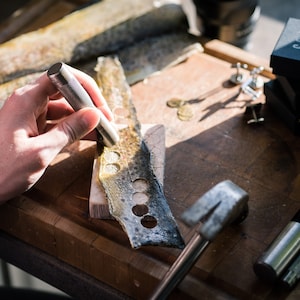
{"points": [[36, 123]]}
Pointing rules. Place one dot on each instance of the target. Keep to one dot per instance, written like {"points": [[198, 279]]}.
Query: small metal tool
{"points": [[238, 77], [279, 256], [292, 275], [256, 82], [245, 88], [78, 98], [254, 109], [223, 204]]}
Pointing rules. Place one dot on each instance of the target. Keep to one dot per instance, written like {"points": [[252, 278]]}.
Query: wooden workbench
{"points": [[217, 144], [51, 222]]}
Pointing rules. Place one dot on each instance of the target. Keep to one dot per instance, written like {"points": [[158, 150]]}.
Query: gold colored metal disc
{"points": [[185, 113], [175, 102]]}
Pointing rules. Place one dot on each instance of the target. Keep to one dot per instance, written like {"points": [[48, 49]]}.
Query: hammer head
{"points": [[223, 204]]}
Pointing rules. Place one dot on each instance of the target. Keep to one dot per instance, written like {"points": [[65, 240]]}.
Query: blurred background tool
{"points": [[229, 21]]}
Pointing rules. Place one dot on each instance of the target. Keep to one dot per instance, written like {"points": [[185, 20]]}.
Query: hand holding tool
{"points": [[78, 98], [223, 204]]}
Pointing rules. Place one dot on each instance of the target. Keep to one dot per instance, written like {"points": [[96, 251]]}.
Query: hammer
{"points": [[225, 203]]}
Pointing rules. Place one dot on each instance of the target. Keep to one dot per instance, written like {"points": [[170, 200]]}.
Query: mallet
{"points": [[225, 203]]}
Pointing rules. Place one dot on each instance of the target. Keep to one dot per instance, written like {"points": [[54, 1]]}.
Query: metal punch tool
{"points": [[78, 98]]}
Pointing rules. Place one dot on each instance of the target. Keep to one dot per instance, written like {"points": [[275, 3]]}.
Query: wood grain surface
{"points": [[216, 144]]}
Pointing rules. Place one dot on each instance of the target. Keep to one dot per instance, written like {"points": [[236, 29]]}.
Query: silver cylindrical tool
{"points": [[78, 98], [281, 252], [292, 275]]}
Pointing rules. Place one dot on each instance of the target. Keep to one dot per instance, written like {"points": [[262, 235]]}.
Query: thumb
{"points": [[74, 127]]}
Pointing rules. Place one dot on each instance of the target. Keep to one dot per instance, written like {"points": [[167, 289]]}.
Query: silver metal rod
{"points": [[292, 275], [181, 267], [279, 255], [78, 98]]}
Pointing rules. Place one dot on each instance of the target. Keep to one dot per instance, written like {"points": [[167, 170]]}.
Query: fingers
{"points": [[32, 101], [58, 109], [78, 125], [44, 87], [38, 94], [92, 88], [73, 127], [90, 85]]}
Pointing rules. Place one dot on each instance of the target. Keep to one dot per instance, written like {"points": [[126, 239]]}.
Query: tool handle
{"points": [[181, 267]]}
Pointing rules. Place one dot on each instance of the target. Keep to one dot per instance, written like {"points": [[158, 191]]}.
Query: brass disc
{"points": [[185, 113], [175, 102]]}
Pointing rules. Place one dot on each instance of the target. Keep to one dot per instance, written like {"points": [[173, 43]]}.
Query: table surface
{"points": [[51, 222]]}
